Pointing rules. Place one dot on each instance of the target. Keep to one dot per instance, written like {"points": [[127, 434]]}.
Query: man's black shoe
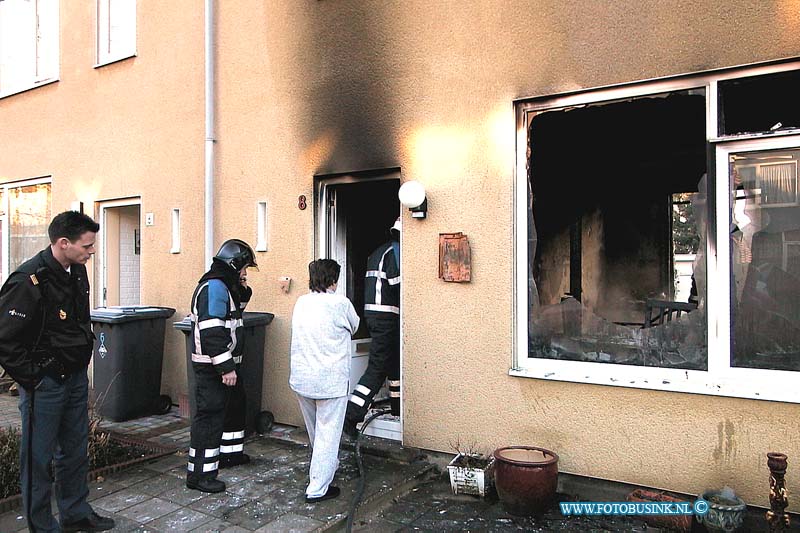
{"points": [[205, 485], [329, 495], [93, 522], [234, 460]]}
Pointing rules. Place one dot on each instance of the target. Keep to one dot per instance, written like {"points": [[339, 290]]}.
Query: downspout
{"points": [[209, 142]]}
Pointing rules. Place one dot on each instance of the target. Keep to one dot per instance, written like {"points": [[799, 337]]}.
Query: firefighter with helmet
{"points": [[217, 433], [382, 313]]}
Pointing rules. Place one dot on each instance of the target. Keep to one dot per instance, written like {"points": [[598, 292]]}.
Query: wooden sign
{"points": [[455, 257]]}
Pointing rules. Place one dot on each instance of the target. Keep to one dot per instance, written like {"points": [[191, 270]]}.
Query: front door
{"points": [[120, 253], [355, 213]]}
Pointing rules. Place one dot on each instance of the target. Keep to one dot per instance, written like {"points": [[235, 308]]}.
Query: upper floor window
{"points": [[28, 44], [116, 30]]}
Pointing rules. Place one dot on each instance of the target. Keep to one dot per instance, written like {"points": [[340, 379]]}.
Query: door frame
{"points": [[322, 221], [102, 244]]}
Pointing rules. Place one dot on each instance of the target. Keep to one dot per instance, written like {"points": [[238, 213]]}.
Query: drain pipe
{"points": [[209, 142]]}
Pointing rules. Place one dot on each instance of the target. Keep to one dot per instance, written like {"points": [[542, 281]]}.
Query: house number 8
{"points": [[301, 202]]}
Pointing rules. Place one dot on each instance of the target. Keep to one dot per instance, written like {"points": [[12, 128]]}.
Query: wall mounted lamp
{"points": [[412, 195]]}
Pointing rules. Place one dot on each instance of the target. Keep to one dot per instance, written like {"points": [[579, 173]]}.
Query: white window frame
{"points": [[115, 38], [5, 237], [720, 379], [45, 34]]}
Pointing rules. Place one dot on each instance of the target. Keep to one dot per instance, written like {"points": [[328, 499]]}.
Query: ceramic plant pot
{"points": [[526, 478], [725, 513]]}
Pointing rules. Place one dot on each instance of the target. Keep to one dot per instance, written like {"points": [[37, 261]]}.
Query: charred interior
{"points": [[617, 213]]}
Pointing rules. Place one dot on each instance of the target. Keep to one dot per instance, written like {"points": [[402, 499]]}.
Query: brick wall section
{"points": [[129, 281]]}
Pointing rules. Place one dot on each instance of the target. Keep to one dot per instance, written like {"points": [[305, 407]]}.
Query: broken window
{"points": [[617, 233], [765, 257]]}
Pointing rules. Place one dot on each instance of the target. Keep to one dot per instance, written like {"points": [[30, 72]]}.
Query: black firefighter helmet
{"points": [[237, 254]]}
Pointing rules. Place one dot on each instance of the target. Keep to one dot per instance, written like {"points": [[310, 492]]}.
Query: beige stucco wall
{"points": [[314, 87]]}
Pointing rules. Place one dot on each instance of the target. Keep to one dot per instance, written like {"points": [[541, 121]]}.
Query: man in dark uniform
{"points": [[382, 312], [219, 422], [45, 345]]}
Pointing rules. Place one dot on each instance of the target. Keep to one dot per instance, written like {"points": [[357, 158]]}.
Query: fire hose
{"points": [[359, 460]]}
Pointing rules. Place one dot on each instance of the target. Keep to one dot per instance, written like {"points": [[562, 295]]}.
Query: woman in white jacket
{"points": [[322, 324]]}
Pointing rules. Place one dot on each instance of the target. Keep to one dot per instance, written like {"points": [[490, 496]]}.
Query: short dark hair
{"points": [[71, 224], [322, 273]]}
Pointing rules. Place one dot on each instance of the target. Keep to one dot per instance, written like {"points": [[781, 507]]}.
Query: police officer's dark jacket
{"points": [[44, 320], [382, 281], [217, 306]]}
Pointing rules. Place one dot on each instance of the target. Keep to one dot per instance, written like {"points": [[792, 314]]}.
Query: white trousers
{"points": [[324, 420]]}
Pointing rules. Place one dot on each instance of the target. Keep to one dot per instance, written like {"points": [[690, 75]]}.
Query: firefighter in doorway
{"points": [[382, 312], [217, 438]]}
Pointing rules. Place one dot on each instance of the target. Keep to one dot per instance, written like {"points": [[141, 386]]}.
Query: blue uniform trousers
{"points": [[60, 433]]}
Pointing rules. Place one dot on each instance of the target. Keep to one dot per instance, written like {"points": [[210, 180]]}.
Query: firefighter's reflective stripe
{"points": [[362, 389], [232, 442], [209, 452], [382, 308], [394, 388], [203, 460], [232, 325], [378, 280], [200, 358], [212, 323], [357, 400], [394, 281]]}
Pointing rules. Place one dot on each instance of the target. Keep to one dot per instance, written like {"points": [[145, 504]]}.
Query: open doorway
{"points": [[354, 214], [120, 252]]}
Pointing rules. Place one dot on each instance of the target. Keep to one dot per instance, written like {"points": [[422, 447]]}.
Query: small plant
{"points": [[469, 456], [102, 450], [9, 461], [471, 472]]}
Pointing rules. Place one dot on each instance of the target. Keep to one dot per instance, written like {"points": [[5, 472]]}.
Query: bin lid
{"points": [[249, 320], [128, 313]]}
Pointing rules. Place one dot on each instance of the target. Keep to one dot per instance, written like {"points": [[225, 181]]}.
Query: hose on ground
{"points": [[361, 481]]}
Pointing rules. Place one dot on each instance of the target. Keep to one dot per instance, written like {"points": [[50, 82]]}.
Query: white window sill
{"points": [[114, 60], [735, 382], [29, 87]]}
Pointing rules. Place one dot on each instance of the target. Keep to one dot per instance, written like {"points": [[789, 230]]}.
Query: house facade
{"points": [[625, 173]]}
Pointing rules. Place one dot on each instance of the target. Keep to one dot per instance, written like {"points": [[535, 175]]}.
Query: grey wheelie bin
{"points": [[128, 352], [251, 370]]}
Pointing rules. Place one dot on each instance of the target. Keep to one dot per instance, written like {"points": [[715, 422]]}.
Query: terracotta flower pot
{"points": [[526, 478]]}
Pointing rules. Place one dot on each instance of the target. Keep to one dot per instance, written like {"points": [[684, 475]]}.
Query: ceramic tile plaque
{"points": [[455, 257]]}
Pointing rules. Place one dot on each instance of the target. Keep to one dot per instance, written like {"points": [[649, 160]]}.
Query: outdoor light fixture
{"points": [[412, 195]]}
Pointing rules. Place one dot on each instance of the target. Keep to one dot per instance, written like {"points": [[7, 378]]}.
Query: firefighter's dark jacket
{"points": [[217, 306], [44, 316], [382, 280]]}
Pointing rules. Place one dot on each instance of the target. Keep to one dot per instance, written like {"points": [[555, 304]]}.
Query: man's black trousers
{"points": [[384, 363], [218, 423]]}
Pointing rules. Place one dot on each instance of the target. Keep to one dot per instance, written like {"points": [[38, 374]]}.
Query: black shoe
{"points": [[329, 495], [206, 485], [234, 460], [93, 522]]}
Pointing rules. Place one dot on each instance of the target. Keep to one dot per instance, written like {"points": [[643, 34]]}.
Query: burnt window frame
{"points": [[720, 378]]}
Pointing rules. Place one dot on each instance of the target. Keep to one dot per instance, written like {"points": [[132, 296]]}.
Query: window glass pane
{"points": [[759, 103], [116, 29], [17, 45], [617, 232], [765, 250], [29, 216]]}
